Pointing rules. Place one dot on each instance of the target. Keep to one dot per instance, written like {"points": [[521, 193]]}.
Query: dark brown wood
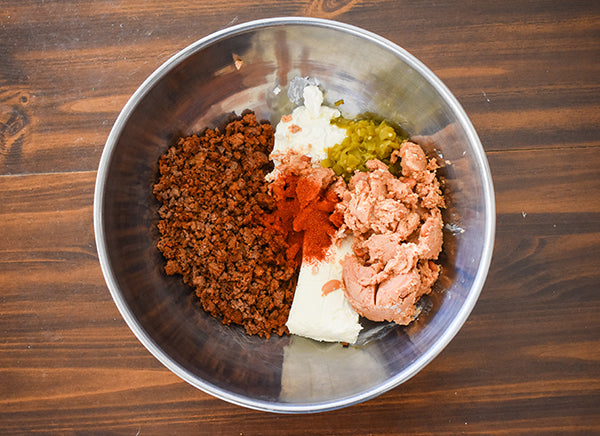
{"points": [[526, 361]]}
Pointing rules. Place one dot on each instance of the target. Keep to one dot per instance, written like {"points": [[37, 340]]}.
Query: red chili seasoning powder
{"points": [[282, 218], [313, 219], [305, 215]]}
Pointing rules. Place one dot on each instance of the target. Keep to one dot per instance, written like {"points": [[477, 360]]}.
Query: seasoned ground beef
{"points": [[213, 193]]}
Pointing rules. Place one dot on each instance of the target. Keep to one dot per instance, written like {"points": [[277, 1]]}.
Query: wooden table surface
{"points": [[526, 361]]}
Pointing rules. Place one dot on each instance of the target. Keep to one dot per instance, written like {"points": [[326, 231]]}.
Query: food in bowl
{"points": [[213, 191], [304, 228]]}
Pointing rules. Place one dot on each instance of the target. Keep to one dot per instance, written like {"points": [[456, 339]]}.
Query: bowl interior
{"points": [[200, 87]]}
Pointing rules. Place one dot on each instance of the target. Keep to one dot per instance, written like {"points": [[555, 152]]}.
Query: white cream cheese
{"points": [[318, 312], [308, 129]]}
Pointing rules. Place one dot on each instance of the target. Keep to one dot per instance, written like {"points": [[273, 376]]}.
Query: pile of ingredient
{"points": [[397, 234], [303, 229], [214, 194]]}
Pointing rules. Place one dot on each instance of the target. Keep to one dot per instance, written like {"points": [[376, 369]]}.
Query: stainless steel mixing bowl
{"points": [[249, 66]]}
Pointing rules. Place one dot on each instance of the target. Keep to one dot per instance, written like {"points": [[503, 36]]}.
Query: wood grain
{"points": [[526, 361]]}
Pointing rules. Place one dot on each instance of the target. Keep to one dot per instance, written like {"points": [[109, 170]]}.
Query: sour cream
{"points": [[308, 129]]}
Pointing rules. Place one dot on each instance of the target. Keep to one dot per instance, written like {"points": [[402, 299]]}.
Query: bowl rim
{"points": [[238, 399]]}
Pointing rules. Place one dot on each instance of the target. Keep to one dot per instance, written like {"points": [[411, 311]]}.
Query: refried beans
{"points": [[397, 228]]}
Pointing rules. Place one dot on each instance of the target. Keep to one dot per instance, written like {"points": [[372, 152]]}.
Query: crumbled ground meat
{"points": [[213, 192]]}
